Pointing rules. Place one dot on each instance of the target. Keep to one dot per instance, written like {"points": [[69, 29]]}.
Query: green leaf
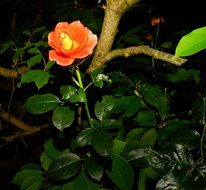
{"points": [[135, 135], [180, 75], [94, 169], [192, 43], [39, 104], [32, 183], [145, 175], [5, 46], [22, 174], [33, 51], [56, 187], [49, 64], [122, 173], [199, 110], [84, 137], [146, 118], [67, 91], [64, 166], [34, 60], [102, 109], [45, 161], [163, 108], [40, 77], [138, 157], [180, 135], [81, 183], [152, 94], [174, 157], [80, 96], [51, 149], [102, 142], [108, 124], [118, 146], [19, 52], [62, 117], [149, 138]]}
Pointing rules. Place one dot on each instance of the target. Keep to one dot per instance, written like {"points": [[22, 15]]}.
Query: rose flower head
{"points": [[70, 41]]}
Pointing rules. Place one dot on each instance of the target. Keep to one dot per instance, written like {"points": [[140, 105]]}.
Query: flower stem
{"points": [[86, 104]]}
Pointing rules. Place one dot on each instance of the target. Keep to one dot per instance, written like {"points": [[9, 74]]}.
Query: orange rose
{"points": [[69, 42]]}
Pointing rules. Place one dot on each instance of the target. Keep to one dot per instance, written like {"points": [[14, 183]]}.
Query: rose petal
{"points": [[88, 49], [60, 59]]}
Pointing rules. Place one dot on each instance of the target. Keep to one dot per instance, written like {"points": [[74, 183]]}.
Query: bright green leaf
{"points": [[192, 43]]}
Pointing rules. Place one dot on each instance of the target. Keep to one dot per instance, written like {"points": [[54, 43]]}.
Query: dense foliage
{"points": [[138, 123]]}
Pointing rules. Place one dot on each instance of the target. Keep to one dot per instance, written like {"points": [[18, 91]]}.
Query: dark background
{"points": [[19, 15]]}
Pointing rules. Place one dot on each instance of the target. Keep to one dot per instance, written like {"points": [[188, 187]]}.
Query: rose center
{"points": [[66, 41]]}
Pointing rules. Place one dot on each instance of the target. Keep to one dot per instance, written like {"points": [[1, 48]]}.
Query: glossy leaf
{"points": [[192, 43], [84, 137], [67, 91], [62, 117], [152, 94], [51, 149], [94, 169], [169, 181], [39, 104], [102, 109], [122, 173], [80, 96], [138, 157], [64, 166], [81, 183], [174, 157], [32, 183], [180, 135], [102, 142]]}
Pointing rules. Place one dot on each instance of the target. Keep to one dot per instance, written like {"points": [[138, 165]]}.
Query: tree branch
{"points": [[11, 73], [137, 50], [26, 133], [15, 121], [113, 12]]}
